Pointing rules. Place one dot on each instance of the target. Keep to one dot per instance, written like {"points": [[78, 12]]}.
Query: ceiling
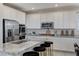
{"points": [[30, 7]]}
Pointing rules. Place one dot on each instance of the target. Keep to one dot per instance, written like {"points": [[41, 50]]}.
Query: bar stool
{"points": [[76, 49], [40, 50], [47, 48], [75, 45], [51, 47], [31, 53]]}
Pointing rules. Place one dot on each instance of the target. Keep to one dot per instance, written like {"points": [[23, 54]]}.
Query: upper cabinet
{"points": [[47, 17], [61, 19], [43, 17], [33, 21], [69, 19], [13, 14], [55, 17], [58, 18]]}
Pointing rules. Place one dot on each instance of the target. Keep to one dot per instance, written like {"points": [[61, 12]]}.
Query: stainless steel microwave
{"points": [[47, 25]]}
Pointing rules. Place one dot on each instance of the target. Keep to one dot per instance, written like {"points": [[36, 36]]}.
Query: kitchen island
{"points": [[16, 49], [62, 43]]}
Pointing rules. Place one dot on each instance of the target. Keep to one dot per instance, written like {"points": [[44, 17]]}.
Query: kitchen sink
{"points": [[18, 42]]}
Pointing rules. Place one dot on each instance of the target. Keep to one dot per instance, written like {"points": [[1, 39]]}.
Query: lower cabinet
{"points": [[60, 43], [65, 44]]}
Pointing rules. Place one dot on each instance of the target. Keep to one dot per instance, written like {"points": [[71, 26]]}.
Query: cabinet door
{"points": [[50, 17], [20, 17], [65, 44], [43, 17], [66, 18], [58, 16], [14, 14], [47, 17], [69, 19], [33, 21], [28, 21]]}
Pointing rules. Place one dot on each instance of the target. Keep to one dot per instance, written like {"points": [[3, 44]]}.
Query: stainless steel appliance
{"points": [[10, 30], [22, 31], [47, 25]]}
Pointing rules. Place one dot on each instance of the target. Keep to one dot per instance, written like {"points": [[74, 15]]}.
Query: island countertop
{"points": [[17, 49]]}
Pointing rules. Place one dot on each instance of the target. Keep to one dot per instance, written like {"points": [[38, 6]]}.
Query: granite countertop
{"points": [[18, 48]]}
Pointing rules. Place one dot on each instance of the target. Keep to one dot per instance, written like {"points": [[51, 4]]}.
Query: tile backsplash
{"points": [[60, 32]]}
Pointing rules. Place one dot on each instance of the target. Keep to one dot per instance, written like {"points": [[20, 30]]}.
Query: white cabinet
{"points": [[13, 14], [66, 19], [50, 17], [33, 21], [60, 43], [69, 19], [47, 17], [66, 44], [61, 19], [20, 17], [58, 17], [43, 17], [27, 22]]}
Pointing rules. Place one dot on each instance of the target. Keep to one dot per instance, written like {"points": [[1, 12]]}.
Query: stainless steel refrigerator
{"points": [[10, 30]]}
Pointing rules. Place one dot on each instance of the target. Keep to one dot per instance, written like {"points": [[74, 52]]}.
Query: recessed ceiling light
{"points": [[56, 5], [33, 8]]}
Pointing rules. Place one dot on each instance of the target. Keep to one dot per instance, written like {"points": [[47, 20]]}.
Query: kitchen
{"points": [[57, 23]]}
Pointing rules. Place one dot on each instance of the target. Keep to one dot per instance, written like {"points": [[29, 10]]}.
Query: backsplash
{"points": [[55, 32]]}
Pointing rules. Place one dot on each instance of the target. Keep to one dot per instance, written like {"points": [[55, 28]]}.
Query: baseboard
{"points": [[64, 51]]}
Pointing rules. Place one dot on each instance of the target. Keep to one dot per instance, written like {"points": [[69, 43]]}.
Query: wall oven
{"points": [[22, 31]]}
